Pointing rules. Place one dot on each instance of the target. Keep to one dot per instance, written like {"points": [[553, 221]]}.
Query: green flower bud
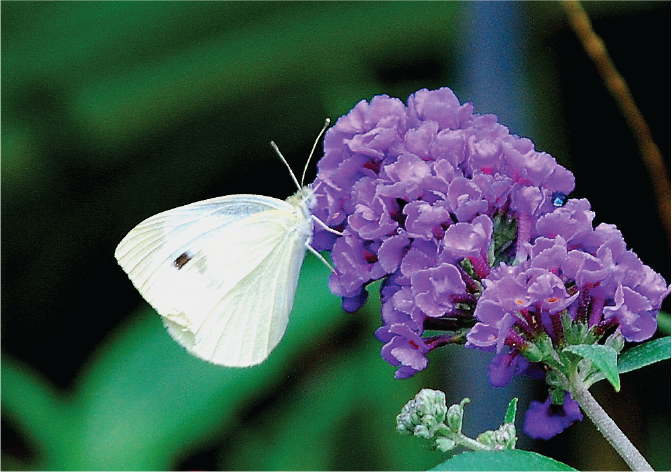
{"points": [[532, 353], [424, 414], [444, 444], [506, 436], [487, 438], [455, 416], [423, 432], [616, 341], [502, 438]]}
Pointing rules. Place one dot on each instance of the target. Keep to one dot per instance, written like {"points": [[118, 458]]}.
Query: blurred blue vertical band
{"points": [[491, 71], [491, 74]]}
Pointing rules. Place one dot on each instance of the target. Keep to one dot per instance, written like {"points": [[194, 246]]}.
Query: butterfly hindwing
{"points": [[245, 324]]}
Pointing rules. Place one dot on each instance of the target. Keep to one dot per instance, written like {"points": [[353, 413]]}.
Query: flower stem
{"points": [[469, 443], [608, 428]]}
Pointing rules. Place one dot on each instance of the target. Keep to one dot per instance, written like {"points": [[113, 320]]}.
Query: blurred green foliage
{"points": [[143, 403], [114, 111]]}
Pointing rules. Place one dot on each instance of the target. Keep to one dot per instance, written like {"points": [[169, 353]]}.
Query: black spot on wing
{"points": [[181, 260]]}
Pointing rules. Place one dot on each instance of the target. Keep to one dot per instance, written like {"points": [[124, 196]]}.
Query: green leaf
{"points": [[514, 459], [644, 354], [143, 400], [45, 418], [510, 416], [602, 357]]}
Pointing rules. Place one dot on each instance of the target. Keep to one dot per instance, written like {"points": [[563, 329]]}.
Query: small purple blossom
{"points": [[405, 348], [504, 366], [545, 420], [435, 289]]}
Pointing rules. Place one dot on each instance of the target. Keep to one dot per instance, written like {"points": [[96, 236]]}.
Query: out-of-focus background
{"points": [[114, 111]]}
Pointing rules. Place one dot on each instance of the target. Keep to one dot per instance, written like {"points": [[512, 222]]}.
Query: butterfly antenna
{"points": [[305, 169], [282, 158]]}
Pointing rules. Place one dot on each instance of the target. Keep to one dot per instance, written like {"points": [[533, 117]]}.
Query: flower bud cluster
{"points": [[424, 415], [502, 438], [427, 417]]}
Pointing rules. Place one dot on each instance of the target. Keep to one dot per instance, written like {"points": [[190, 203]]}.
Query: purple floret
{"points": [[545, 420]]}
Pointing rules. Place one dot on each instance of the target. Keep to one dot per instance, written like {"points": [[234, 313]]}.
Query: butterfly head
{"points": [[303, 200]]}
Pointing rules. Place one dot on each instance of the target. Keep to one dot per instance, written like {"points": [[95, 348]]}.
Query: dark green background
{"points": [[114, 111]]}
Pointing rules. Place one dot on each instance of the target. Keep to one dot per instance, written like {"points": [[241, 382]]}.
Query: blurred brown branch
{"points": [[596, 50]]}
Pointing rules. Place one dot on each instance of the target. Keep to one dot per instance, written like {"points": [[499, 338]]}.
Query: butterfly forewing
{"points": [[140, 249]]}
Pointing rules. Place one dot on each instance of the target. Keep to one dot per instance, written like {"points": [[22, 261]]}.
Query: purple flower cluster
{"points": [[416, 190], [574, 268], [471, 230]]}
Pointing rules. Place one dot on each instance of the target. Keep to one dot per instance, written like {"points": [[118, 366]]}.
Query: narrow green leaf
{"points": [[644, 354], [602, 357], [512, 459], [510, 416]]}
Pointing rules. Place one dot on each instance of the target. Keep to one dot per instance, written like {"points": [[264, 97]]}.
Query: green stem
{"points": [[466, 441], [608, 428]]}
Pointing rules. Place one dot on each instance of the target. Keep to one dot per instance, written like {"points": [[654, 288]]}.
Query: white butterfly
{"points": [[223, 272]]}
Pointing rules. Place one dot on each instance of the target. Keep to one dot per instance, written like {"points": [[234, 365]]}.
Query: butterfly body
{"points": [[222, 272]]}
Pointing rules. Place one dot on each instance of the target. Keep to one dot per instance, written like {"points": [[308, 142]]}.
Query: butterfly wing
{"points": [[222, 273]]}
